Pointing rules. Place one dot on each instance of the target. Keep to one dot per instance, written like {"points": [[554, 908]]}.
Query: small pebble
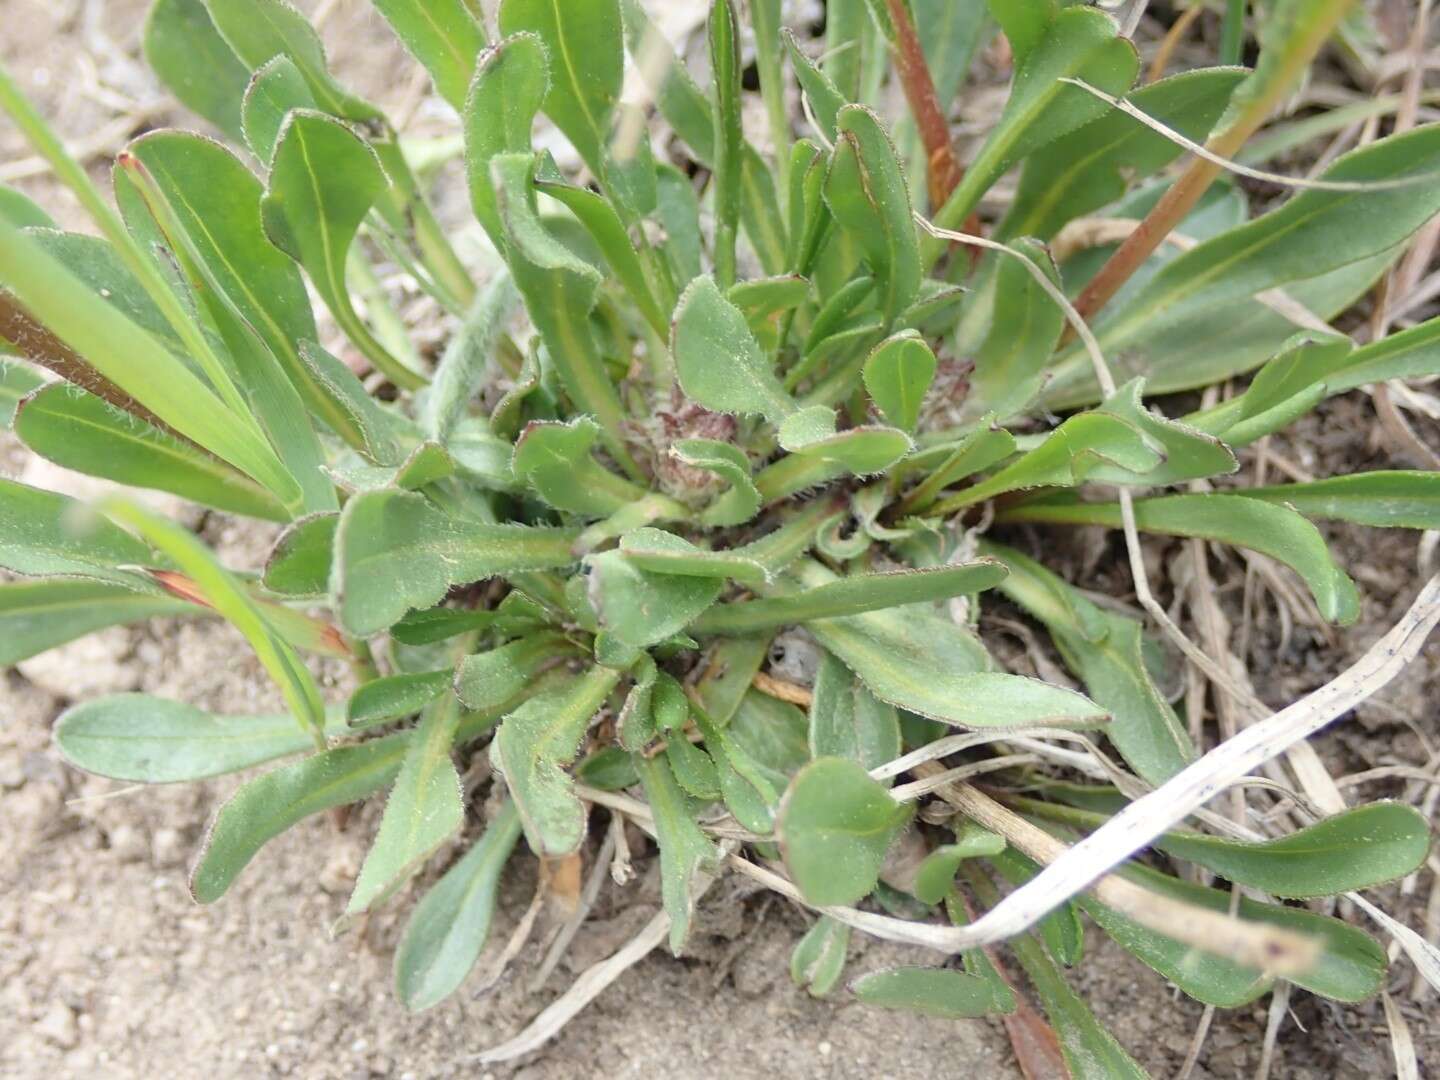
{"points": [[58, 1026]]}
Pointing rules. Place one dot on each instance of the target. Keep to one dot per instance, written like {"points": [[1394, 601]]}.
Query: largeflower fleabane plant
{"points": [[703, 397]]}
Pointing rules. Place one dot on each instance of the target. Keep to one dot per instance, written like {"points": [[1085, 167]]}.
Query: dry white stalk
{"points": [[1145, 819], [1279, 1006], [1257, 945], [1407, 1065], [920, 788], [1093, 232], [953, 744], [585, 989], [1235, 167]]}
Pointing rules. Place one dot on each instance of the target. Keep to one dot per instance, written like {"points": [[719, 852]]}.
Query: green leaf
{"points": [[936, 876], [555, 461], [643, 608], [1023, 23], [1120, 442], [1354, 849], [259, 30], [718, 360], [532, 747], [82, 432], [299, 564], [1091, 167], [863, 450], [489, 681], [665, 553], [954, 995], [760, 298], [609, 769], [396, 551], [1398, 499], [1351, 966], [818, 959], [1408, 354], [444, 35], [847, 721], [560, 290], [678, 211], [215, 201], [751, 792], [1010, 366], [265, 807], [39, 615], [151, 740], [451, 923], [897, 374], [1291, 383], [136, 361], [275, 89], [236, 606], [850, 596], [929, 666], [1090, 1051], [185, 50], [324, 180], [1315, 232], [605, 227], [866, 192], [835, 826], [684, 850], [733, 664], [511, 80], [43, 533], [1078, 42], [585, 43], [424, 810], [16, 381], [19, 210], [1105, 650], [825, 97], [950, 463], [724, 41], [395, 696], [738, 504], [1275, 531], [694, 769]]}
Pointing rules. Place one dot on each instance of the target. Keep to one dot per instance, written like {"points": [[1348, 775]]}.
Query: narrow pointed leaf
{"points": [[684, 850], [43, 533], [954, 995], [267, 806], [1275, 531], [444, 35], [851, 596], [39, 615], [236, 606], [1387, 500], [151, 740], [585, 41], [194, 62], [451, 923], [423, 811], [818, 959], [82, 432], [395, 696], [531, 749]]}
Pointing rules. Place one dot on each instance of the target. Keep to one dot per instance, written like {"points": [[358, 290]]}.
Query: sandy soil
{"points": [[107, 968]]}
